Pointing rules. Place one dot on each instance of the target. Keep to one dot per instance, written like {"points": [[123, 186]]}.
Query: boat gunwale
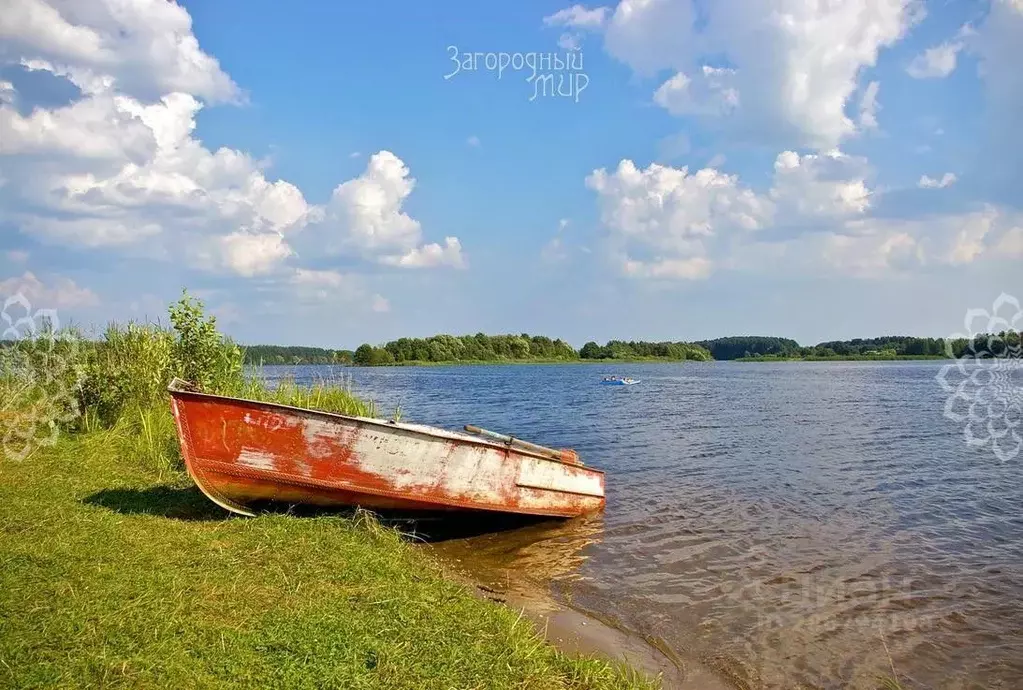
{"points": [[418, 429]]}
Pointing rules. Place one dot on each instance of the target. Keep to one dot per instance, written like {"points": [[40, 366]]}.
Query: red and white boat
{"points": [[242, 452]]}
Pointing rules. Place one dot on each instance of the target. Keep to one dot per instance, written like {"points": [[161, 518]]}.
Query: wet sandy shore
{"points": [[516, 568]]}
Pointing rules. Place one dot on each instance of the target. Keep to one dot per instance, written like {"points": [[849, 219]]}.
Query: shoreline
{"points": [[572, 630], [477, 363]]}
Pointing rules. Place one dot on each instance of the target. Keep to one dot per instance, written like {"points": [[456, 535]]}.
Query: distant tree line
{"points": [[466, 348], [293, 354], [736, 347], [619, 349], [525, 347], [1004, 344], [886, 347]]}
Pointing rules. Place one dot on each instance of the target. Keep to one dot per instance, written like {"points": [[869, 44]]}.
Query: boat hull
{"points": [[242, 452]]}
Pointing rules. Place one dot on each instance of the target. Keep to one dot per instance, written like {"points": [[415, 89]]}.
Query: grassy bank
{"points": [[116, 572]]}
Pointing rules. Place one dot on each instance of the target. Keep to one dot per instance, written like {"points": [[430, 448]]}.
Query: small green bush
{"points": [[201, 355]]}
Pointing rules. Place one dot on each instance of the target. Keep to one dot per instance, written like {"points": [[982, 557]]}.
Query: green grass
{"points": [[116, 572], [328, 394]]}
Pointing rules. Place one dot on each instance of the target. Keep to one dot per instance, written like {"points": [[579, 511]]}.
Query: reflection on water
{"points": [[528, 557], [785, 523]]}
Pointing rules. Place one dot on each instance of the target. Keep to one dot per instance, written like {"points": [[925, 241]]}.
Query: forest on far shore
{"points": [[537, 348]]}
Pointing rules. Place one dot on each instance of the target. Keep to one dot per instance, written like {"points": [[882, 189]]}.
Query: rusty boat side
{"points": [[240, 452]]}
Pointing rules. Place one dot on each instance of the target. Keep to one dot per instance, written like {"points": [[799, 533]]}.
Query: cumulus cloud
{"points": [[792, 66], [119, 166], [945, 180], [145, 48], [578, 17], [671, 215], [666, 223], [937, 62], [365, 217], [709, 92], [814, 186], [108, 170], [429, 256], [869, 106], [695, 268], [249, 254], [59, 293]]}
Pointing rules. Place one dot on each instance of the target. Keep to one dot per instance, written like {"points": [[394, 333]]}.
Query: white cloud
{"points": [[108, 170], [354, 154], [696, 268], [102, 127], [664, 223], [937, 62], [869, 106], [365, 217], [814, 186], [145, 47], [17, 256], [569, 41], [250, 254], [872, 248], [871, 254], [365, 213], [473, 141], [672, 216], [967, 243], [304, 276], [792, 65], [429, 256], [709, 92], [578, 17], [61, 293], [119, 167], [934, 183]]}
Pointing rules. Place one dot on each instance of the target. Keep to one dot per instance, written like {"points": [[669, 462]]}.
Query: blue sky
{"points": [[736, 167]]}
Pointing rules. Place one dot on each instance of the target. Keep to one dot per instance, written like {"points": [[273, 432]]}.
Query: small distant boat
{"points": [[618, 381], [241, 452]]}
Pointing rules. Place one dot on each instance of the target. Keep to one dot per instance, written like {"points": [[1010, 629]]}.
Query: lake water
{"points": [[787, 524]]}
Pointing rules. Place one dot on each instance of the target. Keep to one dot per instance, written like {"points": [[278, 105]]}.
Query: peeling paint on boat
{"points": [[257, 459]]}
